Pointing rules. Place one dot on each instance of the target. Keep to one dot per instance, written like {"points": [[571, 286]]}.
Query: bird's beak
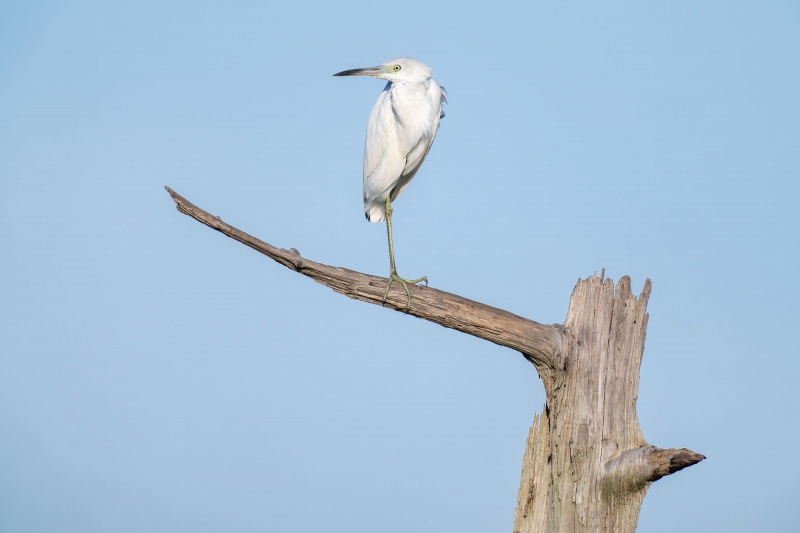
{"points": [[369, 71]]}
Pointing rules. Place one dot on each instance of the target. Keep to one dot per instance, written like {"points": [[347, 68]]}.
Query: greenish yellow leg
{"points": [[393, 272]]}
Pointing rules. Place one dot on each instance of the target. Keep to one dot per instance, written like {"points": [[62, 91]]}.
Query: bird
{"points": [[400, 132]]}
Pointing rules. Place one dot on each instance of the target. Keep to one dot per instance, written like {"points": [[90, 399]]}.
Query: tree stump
{"points": [[587, 466]]}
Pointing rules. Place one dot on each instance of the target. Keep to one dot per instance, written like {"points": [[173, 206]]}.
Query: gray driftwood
{"points": [[586, 466]]}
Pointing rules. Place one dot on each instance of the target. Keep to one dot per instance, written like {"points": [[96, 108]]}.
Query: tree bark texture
{"points": [[586, 465]]}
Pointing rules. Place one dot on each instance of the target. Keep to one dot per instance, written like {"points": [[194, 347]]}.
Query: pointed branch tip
{"points": [[672, 460]]}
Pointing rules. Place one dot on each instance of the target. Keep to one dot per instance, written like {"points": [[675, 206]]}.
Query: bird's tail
{"points": [[375, 211]]}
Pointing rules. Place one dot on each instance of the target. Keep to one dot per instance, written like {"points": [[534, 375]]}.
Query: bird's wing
{"points": [[415, 159], [381, 123], [383, 162], [419, 151]]}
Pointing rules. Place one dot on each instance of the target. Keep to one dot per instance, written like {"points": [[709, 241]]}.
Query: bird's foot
{"points": [[404, 282]]}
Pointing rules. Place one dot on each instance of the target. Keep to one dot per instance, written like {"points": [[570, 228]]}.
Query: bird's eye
{"points": [[396, 68]]}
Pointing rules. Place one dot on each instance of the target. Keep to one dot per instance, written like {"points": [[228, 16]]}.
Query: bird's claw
{"points": [[404, 282]]}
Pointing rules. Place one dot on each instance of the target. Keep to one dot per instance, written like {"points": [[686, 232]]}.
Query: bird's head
{"points": [[399, 69]]}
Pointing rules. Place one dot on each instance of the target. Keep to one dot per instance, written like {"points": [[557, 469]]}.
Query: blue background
{"points": [[157, 376]]}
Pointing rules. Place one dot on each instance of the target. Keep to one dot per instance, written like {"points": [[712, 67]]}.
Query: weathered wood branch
{"points": [[536, 341], [586, 465], [634, 469]]}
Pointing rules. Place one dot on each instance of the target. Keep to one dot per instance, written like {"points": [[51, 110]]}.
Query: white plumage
{"points": [[400, 130]]}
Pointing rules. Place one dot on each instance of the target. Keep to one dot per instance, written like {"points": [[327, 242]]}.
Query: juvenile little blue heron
{"points": [[400, 132]]}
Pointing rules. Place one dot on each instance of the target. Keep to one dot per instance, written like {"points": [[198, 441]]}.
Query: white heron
{"points": [[400, 132]]}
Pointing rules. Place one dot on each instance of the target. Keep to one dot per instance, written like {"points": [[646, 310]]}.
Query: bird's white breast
{"points": [[400, 132]]}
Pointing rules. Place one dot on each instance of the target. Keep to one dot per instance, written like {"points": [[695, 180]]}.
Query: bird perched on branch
{"points": [[400, 132]]}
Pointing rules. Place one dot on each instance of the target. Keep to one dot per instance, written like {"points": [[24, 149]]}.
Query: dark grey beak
{"points": [[368, 71]]}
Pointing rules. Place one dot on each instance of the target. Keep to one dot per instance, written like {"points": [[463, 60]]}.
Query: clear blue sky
{"points": [[157, 376]]}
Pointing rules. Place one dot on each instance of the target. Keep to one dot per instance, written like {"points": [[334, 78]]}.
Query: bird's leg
{"points": [[393, 272]]}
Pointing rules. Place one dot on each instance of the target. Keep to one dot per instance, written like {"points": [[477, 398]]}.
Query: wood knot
{"points": [[296, 259]]}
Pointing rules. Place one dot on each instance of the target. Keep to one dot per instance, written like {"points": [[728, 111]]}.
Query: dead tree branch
{"points": [[586, 465], [536, 341]]}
